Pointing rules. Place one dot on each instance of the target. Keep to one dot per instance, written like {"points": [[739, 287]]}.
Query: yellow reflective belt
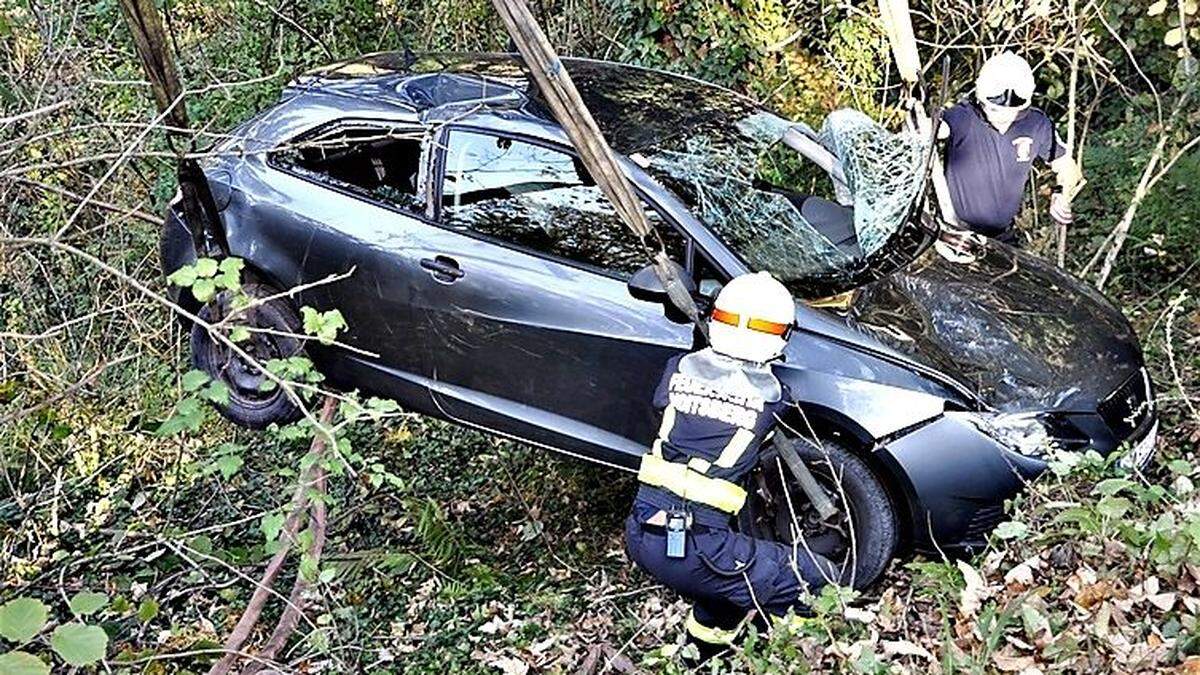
{"points": [[713, 636], [687, 483]]}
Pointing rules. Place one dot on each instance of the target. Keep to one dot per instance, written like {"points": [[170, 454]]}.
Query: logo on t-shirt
{"points": [[1024, 146]]}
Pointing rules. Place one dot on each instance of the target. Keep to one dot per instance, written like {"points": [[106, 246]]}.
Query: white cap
{"points": [[752, 318]]}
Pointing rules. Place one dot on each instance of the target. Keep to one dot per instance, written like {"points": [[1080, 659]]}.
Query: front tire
{"points": [[278, 323], [863, 536]]}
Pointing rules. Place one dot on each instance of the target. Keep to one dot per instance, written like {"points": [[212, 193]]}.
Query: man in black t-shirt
{"points": [[991, 144]]}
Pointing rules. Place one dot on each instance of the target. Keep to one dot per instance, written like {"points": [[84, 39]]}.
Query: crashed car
{"points": [[486, 280]]}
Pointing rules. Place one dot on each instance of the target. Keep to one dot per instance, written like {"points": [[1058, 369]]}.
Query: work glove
{"points": [[1060, 209]]}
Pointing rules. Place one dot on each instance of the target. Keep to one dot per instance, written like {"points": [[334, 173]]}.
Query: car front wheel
{"points": [[860, 538], [254, 401]]}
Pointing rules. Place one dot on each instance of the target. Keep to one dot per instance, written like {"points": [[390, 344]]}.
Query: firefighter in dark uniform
{"points": [[991, 145], [719, 404]]}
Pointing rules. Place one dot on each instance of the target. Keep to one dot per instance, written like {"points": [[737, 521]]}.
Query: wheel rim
{"points": [[269, 339], [782, 511]]}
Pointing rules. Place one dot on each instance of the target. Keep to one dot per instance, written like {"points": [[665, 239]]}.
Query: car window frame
{"points": [[437, 177], [427, 154]]}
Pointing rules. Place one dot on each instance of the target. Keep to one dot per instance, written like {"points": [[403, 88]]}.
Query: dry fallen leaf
{"points": [[1010, 662], [1163, 601], [1091, 594], [904, 648], [975, 592]]}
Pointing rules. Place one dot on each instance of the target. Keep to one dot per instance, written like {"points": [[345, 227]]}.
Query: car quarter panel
{"points": [[351, 255]]}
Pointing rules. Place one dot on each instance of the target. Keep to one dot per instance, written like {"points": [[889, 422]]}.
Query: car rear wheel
{"points": [[252, 402], [860, 538]]}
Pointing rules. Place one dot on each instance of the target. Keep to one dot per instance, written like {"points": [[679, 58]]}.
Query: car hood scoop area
{"points": [[1019, 332]]}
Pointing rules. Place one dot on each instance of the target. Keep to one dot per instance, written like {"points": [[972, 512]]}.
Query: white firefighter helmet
{"points": [[1004, 87], [752, 318]]}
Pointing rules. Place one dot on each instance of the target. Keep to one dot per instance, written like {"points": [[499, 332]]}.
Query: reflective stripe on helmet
{"points": [[691, 485], [709, 634], [729, 318], [760, 325], [769, 327]]}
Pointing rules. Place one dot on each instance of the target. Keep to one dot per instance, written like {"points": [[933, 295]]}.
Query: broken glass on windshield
{"points": [[780, 211]]}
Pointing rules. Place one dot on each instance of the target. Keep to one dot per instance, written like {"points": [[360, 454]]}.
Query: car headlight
{"points": [[1023, 433]]}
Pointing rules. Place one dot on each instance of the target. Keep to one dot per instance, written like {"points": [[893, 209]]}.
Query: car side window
{"points": [[379, 163], [543, 200]]}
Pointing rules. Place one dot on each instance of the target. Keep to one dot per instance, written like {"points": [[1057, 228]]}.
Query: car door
{"points": [[537, 335], [346, 216]]}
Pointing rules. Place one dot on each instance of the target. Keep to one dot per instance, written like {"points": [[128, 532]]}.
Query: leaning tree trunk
{"points": [[150, 40]]}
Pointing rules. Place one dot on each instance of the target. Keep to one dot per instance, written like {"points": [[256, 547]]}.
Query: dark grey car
{"points": [[491, 279]]}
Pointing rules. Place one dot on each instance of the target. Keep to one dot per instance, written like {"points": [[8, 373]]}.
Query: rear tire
{"points": [[861, 545], [249, 405]]}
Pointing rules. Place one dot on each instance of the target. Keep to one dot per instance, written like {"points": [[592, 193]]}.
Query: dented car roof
{"points": [[637, 108]]}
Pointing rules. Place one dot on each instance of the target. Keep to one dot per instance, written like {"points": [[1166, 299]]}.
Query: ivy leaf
{"points": [[23, 618], [21, 663], [84, 603], [194, 379], [204, 289], [79, 644], [183, 277], [206, 267]]}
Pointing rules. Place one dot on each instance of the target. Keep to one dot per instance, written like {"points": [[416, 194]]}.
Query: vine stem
{"points": [[309, 495]]}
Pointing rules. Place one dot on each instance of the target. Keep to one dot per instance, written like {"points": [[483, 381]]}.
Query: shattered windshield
{"points": [[784, 214]]}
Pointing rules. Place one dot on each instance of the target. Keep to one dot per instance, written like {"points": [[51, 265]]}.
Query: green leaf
{"points": [[204, 289], [120, 605], [147, 610], [79, 644], [231, 265], [206, 267], [194, 379], [86, 602], [217, 392], [231, 274], [239, 334], [23, 618], [229, 465], [1180, 466], [21, 663], [183, 277], [1113, 507], [271, 525], [1112, 486], [323, 325], [1012, 529], [188, 416]]}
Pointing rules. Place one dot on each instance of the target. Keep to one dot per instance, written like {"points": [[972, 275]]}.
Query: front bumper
{"points": [[957, 477]]}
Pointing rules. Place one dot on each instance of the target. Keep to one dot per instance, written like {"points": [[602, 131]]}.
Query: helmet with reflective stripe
{"points": [[752, 318], [1004, 87]]}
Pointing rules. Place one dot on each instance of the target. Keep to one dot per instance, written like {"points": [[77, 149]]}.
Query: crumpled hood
{"points": [[1013, 328]]}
